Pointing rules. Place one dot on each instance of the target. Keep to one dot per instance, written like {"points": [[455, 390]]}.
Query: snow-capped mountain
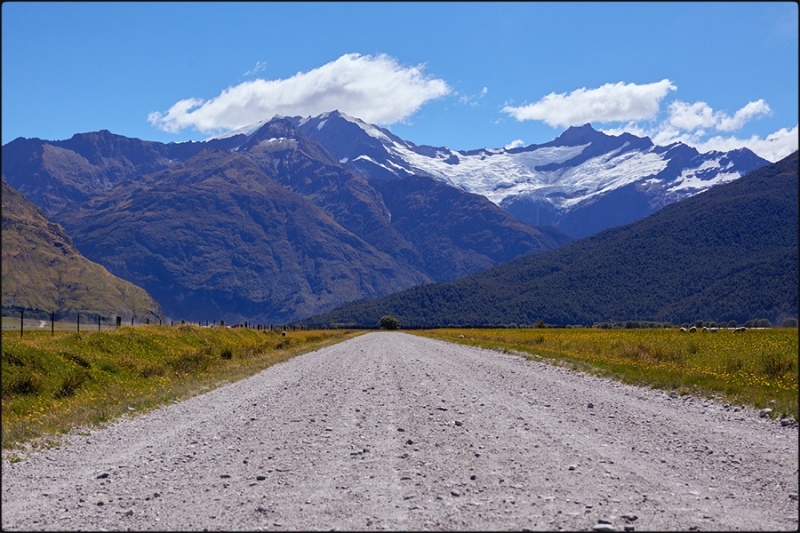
{"points": [[582, 182]]}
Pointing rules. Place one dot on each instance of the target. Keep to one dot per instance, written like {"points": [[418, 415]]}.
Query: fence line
{"points": [[87, 320]]}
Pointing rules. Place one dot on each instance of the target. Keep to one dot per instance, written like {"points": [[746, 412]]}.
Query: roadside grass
{"points": [[54, 384], [750, 368]]}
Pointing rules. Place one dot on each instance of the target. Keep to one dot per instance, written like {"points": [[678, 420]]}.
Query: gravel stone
{"points": [[397, 380]]}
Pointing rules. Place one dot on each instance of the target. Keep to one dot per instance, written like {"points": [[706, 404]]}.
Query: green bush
{"points": [[389, 322]]}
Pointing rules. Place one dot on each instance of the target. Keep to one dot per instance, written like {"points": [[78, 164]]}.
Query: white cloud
{"points": [[751, 110], [471, 99], [690, 117], [690, 124], [610, 103], [773, 147], [260, 65], [514, 144], [376, 89]]}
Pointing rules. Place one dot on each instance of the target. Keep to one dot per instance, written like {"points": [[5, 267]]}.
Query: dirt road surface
{"points": [[397, 432]]}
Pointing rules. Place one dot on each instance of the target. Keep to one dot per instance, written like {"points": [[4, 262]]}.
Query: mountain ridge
{"points": [[403, 222], [545, 184], [272, 228], [729, 253]]}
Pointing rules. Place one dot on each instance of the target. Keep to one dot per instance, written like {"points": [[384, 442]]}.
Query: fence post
{"points": [[21, 321], [98, 322], [119, 321], [131, 321], [79, 322], [52, 323]]}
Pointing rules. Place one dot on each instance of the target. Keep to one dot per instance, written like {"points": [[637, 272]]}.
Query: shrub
{"points": [[774, 365], [21, 384], [71, 383], [789, 322], [389, 322]]}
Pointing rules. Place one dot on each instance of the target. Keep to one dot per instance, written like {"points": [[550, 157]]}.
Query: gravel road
{"points": [[393, 431]]}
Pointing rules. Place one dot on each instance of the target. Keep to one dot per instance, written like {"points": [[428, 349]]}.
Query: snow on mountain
{"points": [[576, 170], [245, 130]]}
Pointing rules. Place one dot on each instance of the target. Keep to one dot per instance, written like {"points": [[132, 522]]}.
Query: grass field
{"points": [[752, 368], [52, 384]]}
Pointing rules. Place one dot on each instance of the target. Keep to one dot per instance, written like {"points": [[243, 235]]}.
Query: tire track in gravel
{"points": [[488, 441]]}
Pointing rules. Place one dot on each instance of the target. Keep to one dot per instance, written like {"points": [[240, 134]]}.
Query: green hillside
{"points": [[729, 253], [43, 271]]}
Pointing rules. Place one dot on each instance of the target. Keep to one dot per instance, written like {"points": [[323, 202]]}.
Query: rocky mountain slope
{"points": [[266, 227], [43, 271], [582, 182], [730, 253]]}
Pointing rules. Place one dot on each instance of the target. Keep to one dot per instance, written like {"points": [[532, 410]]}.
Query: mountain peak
{"points": [[575, 135]]}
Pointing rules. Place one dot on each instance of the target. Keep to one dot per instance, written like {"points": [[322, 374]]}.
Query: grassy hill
{"points": [[43, 271], [729, 253]]}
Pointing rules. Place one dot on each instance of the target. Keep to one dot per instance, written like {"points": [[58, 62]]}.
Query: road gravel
{"points": [[398, 432]]}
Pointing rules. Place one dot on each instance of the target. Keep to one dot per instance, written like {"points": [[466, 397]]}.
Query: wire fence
{"points": [[37, 320]]}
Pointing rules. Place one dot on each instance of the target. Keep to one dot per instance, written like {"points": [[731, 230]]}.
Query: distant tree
{"points": [[731, 323], [789, 322], [389, 322], [540, 324]]}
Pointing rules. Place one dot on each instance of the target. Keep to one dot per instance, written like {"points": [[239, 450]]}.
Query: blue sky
{"points": [[715, 75]]}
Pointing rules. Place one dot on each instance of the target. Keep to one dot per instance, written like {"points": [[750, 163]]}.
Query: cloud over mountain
{"points": [[637, 110], [374, 88], [690, 117], [612, 102]]}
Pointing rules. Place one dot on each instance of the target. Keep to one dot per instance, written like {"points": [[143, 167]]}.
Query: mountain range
{"points": [[294, 216], [582, 182], [268, 227], [730, 253]]}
